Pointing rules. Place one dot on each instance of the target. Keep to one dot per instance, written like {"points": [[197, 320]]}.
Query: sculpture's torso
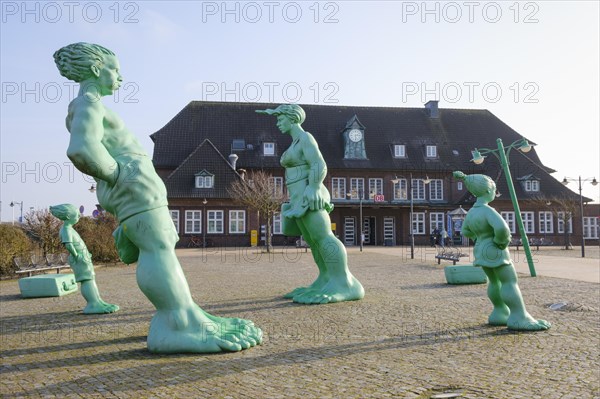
{"points": [[486, 224]]}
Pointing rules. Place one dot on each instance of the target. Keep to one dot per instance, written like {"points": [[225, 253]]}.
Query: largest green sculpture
{"points": [[307, 213], [491, 235], [129, 188]]}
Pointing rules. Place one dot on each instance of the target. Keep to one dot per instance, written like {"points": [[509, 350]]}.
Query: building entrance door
{"points": [[389, 233], [349, 231], [370, 231]]}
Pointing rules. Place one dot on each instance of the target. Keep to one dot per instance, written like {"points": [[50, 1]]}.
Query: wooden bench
{"points": [[35, 264], [449, 253], [537, 242]]}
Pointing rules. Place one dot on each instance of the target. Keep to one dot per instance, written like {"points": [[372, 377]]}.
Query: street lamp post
{"points": [[502, 153], [12, 205], [204, 202], [580, 180]]}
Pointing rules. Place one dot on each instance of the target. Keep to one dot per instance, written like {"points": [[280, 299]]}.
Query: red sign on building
{"points": [[379, 198]]}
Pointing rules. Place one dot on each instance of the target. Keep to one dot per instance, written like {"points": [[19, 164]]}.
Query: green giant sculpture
{"points": [[129, 188], [492, 236], [307, 213], [80, 260]]}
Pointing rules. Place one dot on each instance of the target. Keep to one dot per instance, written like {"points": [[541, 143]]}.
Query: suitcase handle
{"points": [[69, 287]]}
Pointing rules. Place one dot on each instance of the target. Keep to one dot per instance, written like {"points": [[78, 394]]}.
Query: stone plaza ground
{"points": [[413, 335]]}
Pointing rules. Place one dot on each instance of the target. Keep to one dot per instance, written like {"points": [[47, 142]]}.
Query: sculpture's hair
{"points": [[292, 111], [476, 184], [74, 61], [64, 211]]}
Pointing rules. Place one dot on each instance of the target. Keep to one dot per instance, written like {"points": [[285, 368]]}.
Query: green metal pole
{"points": [[513, 197]]}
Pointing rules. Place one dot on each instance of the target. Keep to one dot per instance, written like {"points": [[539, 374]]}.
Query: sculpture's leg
{"points": [[499, 315], [95, 304], [519, 319], [341, 284], [179, 325], [322, 278]]}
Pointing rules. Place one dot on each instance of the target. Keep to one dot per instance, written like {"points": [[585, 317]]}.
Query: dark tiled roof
{"points": [[181, 184], [456, 132]]}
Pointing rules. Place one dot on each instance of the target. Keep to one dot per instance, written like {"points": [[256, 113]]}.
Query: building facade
{"points": [[382, 163]]}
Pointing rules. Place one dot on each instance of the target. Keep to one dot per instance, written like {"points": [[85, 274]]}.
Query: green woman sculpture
{"points": [[307, 213], [80, 260], [492, 236], [129, 188]]}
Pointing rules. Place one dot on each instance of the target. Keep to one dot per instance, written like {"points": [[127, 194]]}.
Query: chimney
{"points": [[233, 160], [432, 108]]}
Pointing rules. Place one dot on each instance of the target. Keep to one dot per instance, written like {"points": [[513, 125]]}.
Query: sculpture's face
{"points": [[109, 79], [284, 123]]}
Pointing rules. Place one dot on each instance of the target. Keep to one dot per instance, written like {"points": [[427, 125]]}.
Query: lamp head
{"points": [[525, 146], [565, 181], [92, 189], [594, 182], [477, 157]]}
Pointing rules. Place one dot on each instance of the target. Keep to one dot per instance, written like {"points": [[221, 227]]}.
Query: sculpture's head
{"points": [[65, 212], [481, 186], [287, 115], [82, 62]]}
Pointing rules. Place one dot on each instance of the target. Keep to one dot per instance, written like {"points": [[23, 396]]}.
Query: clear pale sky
{"points": [[535, 65]]}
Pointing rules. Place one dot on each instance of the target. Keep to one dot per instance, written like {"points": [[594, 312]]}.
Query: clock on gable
{"points": [[354, 139]]}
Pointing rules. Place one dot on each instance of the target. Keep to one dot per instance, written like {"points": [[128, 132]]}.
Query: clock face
{"points": [[355, 135]]}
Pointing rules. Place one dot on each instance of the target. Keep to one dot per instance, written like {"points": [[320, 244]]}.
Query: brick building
{"points": [[383, 153]]}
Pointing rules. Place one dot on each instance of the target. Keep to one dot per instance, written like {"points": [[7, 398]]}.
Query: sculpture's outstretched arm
{"points": [[86, 150]]}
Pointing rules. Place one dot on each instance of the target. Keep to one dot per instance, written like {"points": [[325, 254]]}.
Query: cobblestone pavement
{"points": [[413, 336]]}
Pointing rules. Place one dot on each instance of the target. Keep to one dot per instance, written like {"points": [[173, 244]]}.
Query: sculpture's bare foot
{"points": [[336, 290], [318, 284], [193, 330], [527, 323], [499, 316], [100, 307]]}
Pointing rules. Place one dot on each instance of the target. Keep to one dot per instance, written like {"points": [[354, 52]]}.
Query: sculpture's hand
{"points": [[313, 198]]}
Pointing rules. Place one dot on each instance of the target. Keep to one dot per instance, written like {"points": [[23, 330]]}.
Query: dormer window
{"points": [[205, 180], [238, 145], [268, 149], [431, 151], [399, 151], [532, 185]]}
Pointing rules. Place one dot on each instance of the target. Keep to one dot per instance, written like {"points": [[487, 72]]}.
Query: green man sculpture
{"points": [[129, 188], [80, 260], [307, 213], [492, 236]]}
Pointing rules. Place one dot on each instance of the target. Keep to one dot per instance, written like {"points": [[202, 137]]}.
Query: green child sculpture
{"points": [[491, 235], [307, 213], [80, 260], [129, 188]]}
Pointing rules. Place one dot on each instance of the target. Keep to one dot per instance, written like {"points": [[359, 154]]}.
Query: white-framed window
{"points": [[193, 222], [546, 222], [277, 229], [418, 189], [590, 227], [175, 219], [418, 222], [205, 181], [338, 187], [459, 186], [277, 182], [528, 222], [400, 190], [532, 185], [509, 218], [268, 149], [560, 221], [436, 221], [215, 222], [375, 187], [431, 151], [399, 151], [436, 190], [357, 186], [237, 222]]}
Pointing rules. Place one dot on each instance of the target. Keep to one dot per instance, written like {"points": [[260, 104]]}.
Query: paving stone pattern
{"points": [[413, 336]]}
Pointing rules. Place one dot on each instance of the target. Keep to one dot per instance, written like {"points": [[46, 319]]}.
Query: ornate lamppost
{"points": [[594, 182]]}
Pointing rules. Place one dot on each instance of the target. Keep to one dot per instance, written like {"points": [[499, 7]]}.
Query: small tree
{"points": [[13, 243], [563, 209], [259, 193], [97, 235], [43, 228]]}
